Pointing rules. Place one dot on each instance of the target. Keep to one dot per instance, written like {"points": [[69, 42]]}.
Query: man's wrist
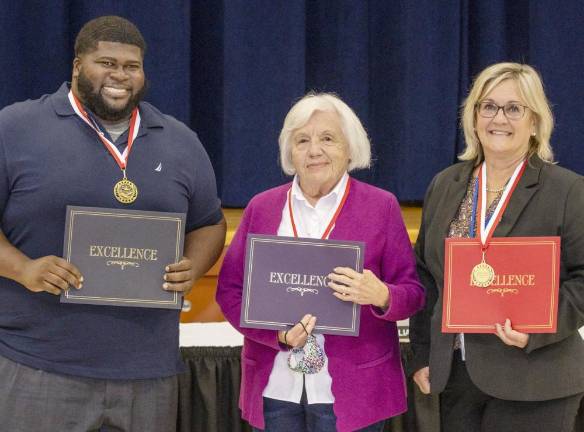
{"points": [[19, 270]]}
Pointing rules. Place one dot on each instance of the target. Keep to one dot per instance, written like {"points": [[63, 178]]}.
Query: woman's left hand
{"points": [[510, 336], [361, 288]]}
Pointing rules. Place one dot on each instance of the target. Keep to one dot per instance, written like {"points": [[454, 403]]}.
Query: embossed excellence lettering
{"points": [[521, 280], [123, 252], [505, 283], [298, 279]]}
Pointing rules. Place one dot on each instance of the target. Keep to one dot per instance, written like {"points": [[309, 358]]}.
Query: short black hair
{"points": [[108, 28]]}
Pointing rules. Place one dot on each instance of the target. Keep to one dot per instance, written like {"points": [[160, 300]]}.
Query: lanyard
{"points": [[334, 218], [487, 228], [121, 158], [472, 229]]}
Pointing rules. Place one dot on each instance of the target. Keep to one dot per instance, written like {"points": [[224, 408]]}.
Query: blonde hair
{"points": [[299, 115], [532, 93]]}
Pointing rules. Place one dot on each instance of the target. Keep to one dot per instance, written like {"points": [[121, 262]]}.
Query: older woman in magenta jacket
{"points": [[359, 382]]}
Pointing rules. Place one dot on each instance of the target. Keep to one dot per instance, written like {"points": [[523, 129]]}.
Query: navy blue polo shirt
{"points": [[49, 158]]}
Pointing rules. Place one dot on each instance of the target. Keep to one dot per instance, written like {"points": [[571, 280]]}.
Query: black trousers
{"points": [[465, 408]]}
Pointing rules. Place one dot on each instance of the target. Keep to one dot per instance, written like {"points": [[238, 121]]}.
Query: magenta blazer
{"points": [[367, 377]]}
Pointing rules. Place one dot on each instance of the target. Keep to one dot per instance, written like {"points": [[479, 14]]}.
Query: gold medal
{"points": [[482, 275], [125, 191]]}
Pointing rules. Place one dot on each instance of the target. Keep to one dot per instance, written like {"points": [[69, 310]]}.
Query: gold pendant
{"points": [[482, 275], [125, 191]]}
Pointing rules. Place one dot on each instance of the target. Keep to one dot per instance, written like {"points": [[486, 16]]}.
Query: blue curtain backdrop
{"points": [[231, 70]]}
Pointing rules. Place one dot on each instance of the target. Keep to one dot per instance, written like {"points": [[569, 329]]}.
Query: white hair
{"points": [[300, 114]]}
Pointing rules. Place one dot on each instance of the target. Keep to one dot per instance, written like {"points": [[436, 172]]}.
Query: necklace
{"points": [[501, 189]]}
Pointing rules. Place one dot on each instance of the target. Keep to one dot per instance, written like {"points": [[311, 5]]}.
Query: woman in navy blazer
{"points": [[361, 382]]}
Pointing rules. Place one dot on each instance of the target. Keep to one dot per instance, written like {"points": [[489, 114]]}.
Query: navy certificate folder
{"points": [[286, 278], [122, 255]]}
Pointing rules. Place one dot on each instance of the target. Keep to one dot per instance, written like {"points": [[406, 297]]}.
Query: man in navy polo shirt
{"points": [[71, 367]]}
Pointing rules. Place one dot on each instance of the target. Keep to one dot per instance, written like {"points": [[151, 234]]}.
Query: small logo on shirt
{"points": [[159, 167]]}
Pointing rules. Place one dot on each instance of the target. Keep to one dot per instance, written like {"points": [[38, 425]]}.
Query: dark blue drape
{"points": [[231, 70]]}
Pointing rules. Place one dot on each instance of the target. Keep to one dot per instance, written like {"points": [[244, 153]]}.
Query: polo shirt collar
{"points": [[61, 101]]}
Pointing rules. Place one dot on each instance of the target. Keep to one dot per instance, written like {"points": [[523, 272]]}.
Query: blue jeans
{"points": [[283, 416]]}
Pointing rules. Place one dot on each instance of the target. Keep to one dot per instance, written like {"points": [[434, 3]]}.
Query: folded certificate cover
{"points": [[122, 255], [524, 287], [286, 278]]}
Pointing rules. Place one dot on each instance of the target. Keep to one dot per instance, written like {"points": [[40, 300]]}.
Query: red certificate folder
{"points": [[525, 287]]}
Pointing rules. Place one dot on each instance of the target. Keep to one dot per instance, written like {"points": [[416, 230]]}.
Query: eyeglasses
{"points": [[512, 110]]}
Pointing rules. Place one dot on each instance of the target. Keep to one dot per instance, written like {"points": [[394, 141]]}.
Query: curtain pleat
{"points": [[232, 69]]}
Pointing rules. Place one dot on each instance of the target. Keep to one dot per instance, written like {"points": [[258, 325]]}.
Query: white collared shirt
{"points": [[311, 221]]}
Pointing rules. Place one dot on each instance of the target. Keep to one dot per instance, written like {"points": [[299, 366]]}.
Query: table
{"points": [[209, 390]]}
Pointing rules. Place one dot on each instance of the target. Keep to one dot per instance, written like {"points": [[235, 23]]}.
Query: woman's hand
{"points": [[422, 379], [296, 336], [510, 336], [361, 288]]}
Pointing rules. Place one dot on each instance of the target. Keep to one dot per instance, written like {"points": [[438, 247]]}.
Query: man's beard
{"points": [[93, 100]]}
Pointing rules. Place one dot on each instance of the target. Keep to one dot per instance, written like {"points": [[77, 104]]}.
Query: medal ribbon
{"points": [[486, 230], [334, 218], [121, 158]]}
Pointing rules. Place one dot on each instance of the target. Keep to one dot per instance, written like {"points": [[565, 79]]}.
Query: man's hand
{"points": [[179, 277], [422, 379], [50, 274]]}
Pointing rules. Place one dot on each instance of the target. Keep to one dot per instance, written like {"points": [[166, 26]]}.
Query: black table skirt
{"points": [[209, 391]]}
